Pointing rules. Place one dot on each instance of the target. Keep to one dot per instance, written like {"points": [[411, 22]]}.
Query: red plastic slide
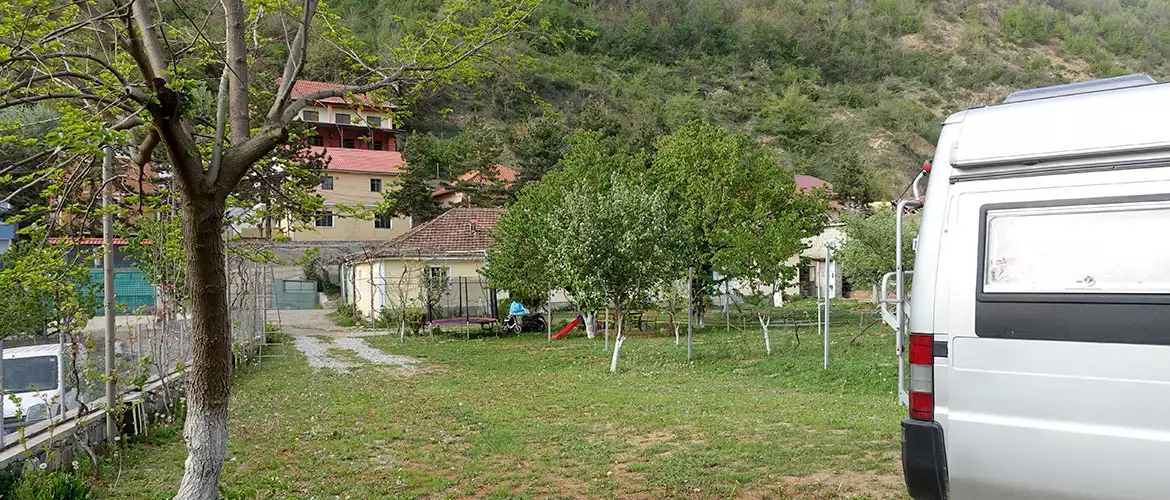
{"points": [[565, 331]]}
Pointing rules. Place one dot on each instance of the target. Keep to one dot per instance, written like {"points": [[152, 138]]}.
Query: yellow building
{"points": [[434, 267], [365, 159]]}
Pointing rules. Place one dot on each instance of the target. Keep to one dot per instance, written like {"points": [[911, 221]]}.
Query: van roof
{"points": [[32, 351], [1100, 118]]}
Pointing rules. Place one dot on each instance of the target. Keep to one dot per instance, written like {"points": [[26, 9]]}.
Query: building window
{"points": [[310, 116], [342, 118], [348, 143], [383, 221], [327, 184], [376, 185], [376, 145], [324, 219], [316, 140], [374, 121], [437, 276]]}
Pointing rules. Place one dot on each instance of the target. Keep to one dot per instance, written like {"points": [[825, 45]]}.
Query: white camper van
{"points": [[1039, 324]]}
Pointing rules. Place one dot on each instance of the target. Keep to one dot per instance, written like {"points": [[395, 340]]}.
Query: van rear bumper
{"points": [[924, 459]]}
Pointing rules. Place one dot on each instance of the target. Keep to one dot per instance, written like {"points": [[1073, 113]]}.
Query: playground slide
{"points": [[568, 328]]}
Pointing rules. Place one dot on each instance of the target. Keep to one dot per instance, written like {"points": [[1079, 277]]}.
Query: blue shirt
{"points": [[516, 309]]}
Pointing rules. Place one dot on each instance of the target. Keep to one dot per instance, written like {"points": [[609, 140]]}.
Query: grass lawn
{"points": [[519, 417]]}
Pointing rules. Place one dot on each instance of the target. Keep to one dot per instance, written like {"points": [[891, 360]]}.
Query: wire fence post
{"points": [[690, 311], [828, 299]]}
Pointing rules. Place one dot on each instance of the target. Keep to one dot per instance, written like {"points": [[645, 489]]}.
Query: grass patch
{"points": [[519, 417]]}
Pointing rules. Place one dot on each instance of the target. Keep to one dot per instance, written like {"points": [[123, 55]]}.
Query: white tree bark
{"points": [[590, 318], [617, 344], [676, 337], [207, 436], [764, 323]]}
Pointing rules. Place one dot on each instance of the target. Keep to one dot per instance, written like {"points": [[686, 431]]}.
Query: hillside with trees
{"points": [[850, 91]]}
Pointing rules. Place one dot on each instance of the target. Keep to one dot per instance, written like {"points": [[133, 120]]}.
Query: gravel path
{"points": [[307, 327], [317, 353], [375, 356]]}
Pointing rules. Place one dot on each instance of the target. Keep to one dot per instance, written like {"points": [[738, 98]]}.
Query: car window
{"points": [[29, 374]]}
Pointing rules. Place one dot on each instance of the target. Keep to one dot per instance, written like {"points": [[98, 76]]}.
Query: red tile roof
{"points": [[363, 160], [92, 241], [807, 183], [504, 174], [303, 87], [459, 231]]}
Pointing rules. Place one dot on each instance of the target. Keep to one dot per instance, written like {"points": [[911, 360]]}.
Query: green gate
{"points": [[132, 293], [294, 294]]}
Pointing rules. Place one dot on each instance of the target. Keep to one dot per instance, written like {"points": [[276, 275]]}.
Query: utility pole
{"points": [[108, 273]]}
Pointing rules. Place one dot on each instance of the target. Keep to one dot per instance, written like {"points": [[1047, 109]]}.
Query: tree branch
{"points": [[32, 159], [52, 96], [59, 55], [146, 149], [237, 61], [220, 126], [27, 82], [149, 39], [295, 61]]}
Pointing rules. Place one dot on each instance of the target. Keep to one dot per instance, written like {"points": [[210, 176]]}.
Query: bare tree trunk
{"points": [[764, 323], [676, 338], [606, 346], [590, 318], [617, 342], [209, 382]]}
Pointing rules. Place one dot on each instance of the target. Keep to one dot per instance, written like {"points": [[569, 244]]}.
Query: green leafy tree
{"points": [[128, 75], [538, 144], [722, 187], [45, 290], [852, 181], [870, 245], [521, 259], [620, 249]]}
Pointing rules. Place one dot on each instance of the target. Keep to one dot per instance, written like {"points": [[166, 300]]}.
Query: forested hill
{"points": [[829, 84]]}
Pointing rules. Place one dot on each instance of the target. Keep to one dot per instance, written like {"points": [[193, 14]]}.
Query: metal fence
{"points": [[56, 379], [441, 299]]}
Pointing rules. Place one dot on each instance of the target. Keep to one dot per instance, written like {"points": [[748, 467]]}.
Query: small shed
{"points": [[434, 267]]}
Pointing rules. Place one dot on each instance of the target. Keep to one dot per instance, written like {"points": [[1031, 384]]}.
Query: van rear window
{"points": [[1104, 248], [1087, 270]]}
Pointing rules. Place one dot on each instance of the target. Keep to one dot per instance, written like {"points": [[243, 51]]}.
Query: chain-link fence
{"points": [[439, 299], [49, 380]]}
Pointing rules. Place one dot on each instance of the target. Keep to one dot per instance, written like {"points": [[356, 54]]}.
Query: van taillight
{"points": [[922, 377]]}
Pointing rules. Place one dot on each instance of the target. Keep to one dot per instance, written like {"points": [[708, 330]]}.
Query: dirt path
{"points": [[314, 334]]}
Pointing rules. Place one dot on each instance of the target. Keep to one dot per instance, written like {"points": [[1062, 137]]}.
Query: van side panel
{"points": [[1071, 418]]}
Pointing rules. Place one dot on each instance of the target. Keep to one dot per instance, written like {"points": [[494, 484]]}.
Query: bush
{"points": [[909, 24], [1081, 45], [416, 319], [57, 485]]}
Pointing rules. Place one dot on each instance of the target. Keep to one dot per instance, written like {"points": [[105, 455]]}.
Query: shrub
{"points": [[909, 24], [57, 485], [1081, 45]]}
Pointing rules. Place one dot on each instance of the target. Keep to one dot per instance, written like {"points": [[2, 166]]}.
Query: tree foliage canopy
{"points": [[869, 249]]}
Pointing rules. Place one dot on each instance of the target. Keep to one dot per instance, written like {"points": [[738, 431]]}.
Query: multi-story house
{"points": [[365, 152]]}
